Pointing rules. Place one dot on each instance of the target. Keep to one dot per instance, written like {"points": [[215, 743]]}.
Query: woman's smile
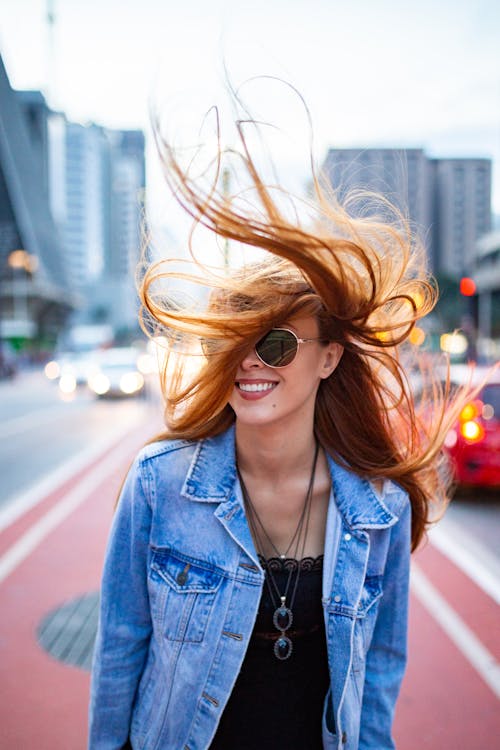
{"points": [[252, 389]]}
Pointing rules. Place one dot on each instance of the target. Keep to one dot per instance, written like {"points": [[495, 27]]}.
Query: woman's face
{"points": [[264, 395]]}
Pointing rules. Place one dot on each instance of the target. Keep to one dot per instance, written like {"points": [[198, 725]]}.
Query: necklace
{"points": [[256, 517], [283, 614]]}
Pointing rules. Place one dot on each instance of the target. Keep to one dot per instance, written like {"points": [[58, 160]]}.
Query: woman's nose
{"points": [[251, 361]]}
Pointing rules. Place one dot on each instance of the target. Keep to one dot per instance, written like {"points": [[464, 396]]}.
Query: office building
{"points": [[83, 222], [447, 200], [401, 176], [94, 181], [114, 298], [462, 212], [35, 298]]}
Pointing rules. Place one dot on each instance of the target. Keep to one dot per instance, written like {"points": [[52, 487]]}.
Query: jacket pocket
{"points": [[364, 607], [182, 591]]}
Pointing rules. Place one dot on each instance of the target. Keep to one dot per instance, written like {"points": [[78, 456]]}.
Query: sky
{"points": [[373, 72]]}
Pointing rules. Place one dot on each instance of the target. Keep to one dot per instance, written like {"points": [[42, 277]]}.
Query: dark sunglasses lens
{"points": [[277, 348]]}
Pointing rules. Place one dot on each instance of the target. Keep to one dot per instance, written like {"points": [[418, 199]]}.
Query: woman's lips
{"points": [[252, 390]]}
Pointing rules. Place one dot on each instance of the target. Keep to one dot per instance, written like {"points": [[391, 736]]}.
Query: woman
{"points": [[255, 588]]}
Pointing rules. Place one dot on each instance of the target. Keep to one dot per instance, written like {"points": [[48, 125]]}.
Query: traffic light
{"points": [[467, 286]]}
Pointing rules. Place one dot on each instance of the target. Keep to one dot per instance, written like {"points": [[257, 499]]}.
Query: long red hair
{"points": [[363, 279]]}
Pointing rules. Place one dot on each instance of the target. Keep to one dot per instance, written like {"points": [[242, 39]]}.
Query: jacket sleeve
{"points": [[386, 658], [124, 622]]}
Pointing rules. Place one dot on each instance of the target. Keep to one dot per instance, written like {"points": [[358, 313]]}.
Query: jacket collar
{"points": [[212, 475], [357, 501]]}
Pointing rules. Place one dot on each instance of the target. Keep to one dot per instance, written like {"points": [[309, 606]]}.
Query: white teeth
{"points": [[251, 387]]}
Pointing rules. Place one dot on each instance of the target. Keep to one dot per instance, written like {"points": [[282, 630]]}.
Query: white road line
{"points": [[25, 545], [14, 426], [48, 483], [455, 628], [467, 561]]}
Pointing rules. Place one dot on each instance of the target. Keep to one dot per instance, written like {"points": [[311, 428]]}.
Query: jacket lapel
{"points": [[212, 479]]}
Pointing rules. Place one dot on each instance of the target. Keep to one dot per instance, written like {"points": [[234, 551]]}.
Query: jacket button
{"points": [[347, 537], [344, 738], [336, 598]]}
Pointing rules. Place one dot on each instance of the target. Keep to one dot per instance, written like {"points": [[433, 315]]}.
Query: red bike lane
{"points": [[444, 704], [43, 702]]}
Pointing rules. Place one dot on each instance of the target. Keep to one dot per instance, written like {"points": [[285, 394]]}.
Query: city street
{"points": [[62, 463]]}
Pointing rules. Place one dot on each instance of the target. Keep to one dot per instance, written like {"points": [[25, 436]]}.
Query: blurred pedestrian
{"points": [[255, 588]]}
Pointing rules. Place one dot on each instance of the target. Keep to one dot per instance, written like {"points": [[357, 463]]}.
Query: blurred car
{"points": [[117, 373], [71, 369], [474, 442]]}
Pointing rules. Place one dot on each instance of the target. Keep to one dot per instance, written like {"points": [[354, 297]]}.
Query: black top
{"points": [[278, 704]]}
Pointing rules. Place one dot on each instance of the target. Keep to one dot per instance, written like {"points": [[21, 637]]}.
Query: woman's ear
{"points": [[332, 354]]}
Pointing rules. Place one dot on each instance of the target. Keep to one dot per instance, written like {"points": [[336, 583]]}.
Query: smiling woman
{"points": [[256, 581]]}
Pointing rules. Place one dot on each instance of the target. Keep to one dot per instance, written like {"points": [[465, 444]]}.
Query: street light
{"points": [[453, 343], [21, 259]]}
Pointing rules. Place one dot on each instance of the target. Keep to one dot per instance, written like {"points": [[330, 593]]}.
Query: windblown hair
{"points": [[365, 282]]}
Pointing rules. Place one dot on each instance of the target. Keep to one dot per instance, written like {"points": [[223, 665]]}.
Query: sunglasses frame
{"points": [[297, 339]]}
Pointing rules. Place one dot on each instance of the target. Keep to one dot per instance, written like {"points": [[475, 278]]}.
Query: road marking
{"points": [[455, 628], [23, 502], [28, 542], [28, 421], [467, 561]]}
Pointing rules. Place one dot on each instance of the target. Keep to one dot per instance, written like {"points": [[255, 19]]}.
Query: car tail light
{"points": [[472, 431], [471, 428], [470, 411]]}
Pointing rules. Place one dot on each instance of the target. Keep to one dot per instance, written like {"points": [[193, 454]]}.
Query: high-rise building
{"points": [[127, 176], [84, 221], [401, 176], [94, 179], [114, 298], [462, 206], [35, 298], [448, 201]]}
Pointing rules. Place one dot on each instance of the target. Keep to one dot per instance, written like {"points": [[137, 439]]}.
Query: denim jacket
{"points": [[181, 590]]}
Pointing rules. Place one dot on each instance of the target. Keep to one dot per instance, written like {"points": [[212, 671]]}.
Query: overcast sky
{"points": [[373, 72]]}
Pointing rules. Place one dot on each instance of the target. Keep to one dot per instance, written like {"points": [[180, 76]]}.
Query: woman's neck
{"points": [[273, 454], [276, 469]]}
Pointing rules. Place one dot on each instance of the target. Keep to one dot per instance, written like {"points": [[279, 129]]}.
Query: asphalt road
{"points": [[41, 433]]}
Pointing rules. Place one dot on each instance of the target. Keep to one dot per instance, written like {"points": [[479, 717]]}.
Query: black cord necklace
{"points": [[283, 614]]}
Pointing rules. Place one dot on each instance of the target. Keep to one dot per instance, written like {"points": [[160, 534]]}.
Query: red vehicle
{"points": [[474, 442]]}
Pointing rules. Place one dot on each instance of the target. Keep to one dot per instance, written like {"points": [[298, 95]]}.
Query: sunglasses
{"points": [[279, 347]]}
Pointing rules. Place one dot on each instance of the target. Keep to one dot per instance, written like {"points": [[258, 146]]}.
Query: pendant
{"points": [[283, 647], [282, 620]]}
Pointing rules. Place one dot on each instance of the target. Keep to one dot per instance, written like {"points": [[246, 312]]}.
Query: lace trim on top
{"points": [[290, 564]]}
